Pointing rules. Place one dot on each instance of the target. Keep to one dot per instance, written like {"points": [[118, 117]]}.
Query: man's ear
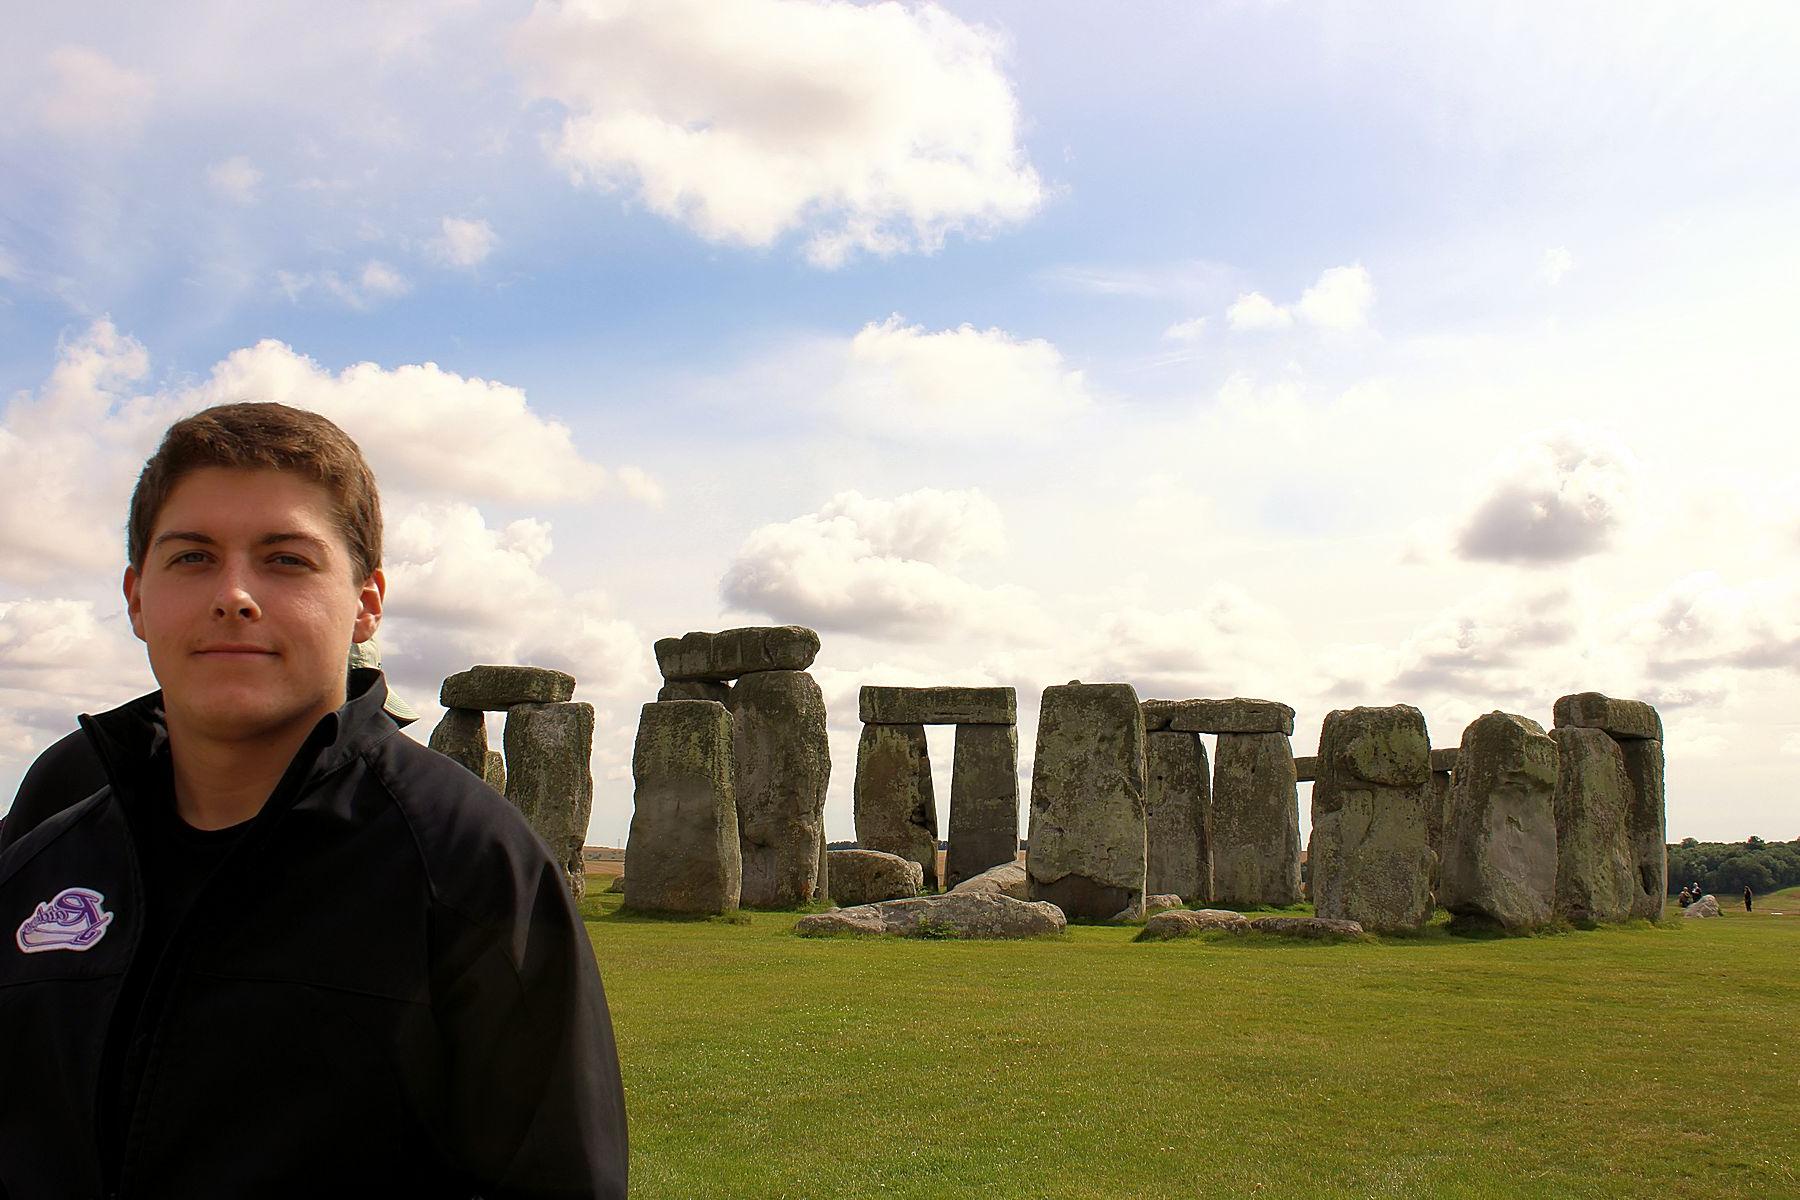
{"points": [[368, 606], [134, 603]]}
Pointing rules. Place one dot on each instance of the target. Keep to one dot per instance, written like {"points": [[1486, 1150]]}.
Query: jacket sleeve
{"points": [[536, 1108], [64, 775]]}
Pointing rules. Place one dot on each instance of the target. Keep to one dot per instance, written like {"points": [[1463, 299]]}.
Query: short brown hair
{"points": [[252, 436]]}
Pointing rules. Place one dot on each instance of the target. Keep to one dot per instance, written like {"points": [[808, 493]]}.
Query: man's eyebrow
{"points": [[271, 539], [268, 539], [184, 535]]}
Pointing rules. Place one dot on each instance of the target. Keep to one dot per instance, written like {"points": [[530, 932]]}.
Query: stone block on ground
{"points": [[548, 777], [871, 876], [938, 705], [461, 735], [783, 768], [682, 853], [1178, 816], [1596, 879], [732, 653], [1370, 861], [1007, 879], [617, 886], [952, 915], [1705, 906], [497, 688], [1256, 821], [895, 805], [1187, 922], [1500, 847], [862, 919], [1645, 826], [984, 801], [1087, 850], [1623, 719], [1312, 928], [1238, 715], [696, 689]]}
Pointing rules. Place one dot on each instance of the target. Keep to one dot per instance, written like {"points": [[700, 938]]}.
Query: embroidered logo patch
{"points": [[73, 920]]}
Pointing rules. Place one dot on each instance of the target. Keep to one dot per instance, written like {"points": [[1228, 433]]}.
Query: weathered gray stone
{"points": [[1437, 820], [1306, 768], [462, 736], [1644, 826], [732, 653], [1007, 879], [1188, 922], [1256, 821], [617, 886], [939, 706], [696, 689], [1152, 904], [822, 876], [1237, 715], [1595, 877], [984, 801], [952, 915], [1444, 760], [1369, 861], [495, 772], [1500, 847], [682, 853], [1705, 906], [895, 806], [1312, 928], [1178, 816], [783, 768], [1158, 714], [1623, 719], [497, 688], [1086, 844], [871, 876], [549, 778]]}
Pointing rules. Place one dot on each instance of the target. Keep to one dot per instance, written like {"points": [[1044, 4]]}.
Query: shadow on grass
{"points": [[627, 916]]}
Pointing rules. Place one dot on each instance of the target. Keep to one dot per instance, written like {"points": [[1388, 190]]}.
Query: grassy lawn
{"points": [[1635, 1062]]}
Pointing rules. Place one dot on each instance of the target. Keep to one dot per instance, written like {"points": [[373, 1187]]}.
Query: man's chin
{"points": [[222, 720]]}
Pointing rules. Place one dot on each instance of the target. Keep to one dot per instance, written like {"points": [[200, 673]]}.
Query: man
{"points": [[284, 951]]}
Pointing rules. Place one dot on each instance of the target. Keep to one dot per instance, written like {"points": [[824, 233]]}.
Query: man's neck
{"points": [[220, 783]]}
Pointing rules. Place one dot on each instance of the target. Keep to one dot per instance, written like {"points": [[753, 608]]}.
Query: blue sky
{"points": [[1338, 353]]}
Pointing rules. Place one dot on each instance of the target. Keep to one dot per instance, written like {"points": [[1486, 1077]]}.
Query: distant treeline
{"points": [[1726, 868]]}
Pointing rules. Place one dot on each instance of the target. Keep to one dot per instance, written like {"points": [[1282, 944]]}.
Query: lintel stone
{"points": [[1623, 719], [1306, 769], [939, 706], [732, 653], [1444, 760], [1237, 715], [498, 688]]}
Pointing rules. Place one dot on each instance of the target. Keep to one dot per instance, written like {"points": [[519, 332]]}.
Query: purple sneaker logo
{"points": [[73, 920]]}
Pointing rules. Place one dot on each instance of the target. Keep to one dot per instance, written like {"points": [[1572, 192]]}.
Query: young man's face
{"points": [[247, 603]]}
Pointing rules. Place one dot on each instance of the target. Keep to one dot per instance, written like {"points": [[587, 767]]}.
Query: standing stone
{"points": [[1644, 825], [495, 772], [1086, 851], [1500, 847], [1437, 820], [1369, 861], [682, 854], [462, 735], [783, 767], [497, 689], [1178, 817], [1256, 821], [984, 801], [1596, 876], [549, 748], [896, 809], [822, 876]]}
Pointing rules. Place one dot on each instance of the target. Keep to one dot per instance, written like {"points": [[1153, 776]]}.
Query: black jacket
{"points": [[383, 990], [65, 774]]}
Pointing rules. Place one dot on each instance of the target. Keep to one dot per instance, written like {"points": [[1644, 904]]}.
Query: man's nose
{"points": [[234, 598]]}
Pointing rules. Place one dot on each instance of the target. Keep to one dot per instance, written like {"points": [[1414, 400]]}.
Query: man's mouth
{"points": [[234, 650]]}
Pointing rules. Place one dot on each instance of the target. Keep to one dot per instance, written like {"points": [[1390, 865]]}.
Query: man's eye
{"points": [[289, 560], [191, 556]]}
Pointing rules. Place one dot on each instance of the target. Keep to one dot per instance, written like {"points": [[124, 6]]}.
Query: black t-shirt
{"points": [[175, 860]]}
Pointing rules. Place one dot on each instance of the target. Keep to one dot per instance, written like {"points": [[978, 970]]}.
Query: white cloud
{"points": [[1340, 300], [375, 282], [1558, 499], [875, 128], [465, 242], [90, 94], [1186, 331], [1701, 624], [1225, 643], [59, 657], [235, 179], [1255, 311], [882, 567], [1556, 263]]}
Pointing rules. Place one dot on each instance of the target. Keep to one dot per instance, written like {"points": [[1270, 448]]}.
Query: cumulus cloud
{"points": [[465, 242], [1226, 643], [1488, 649], [91, 94], [58, 658], [876, 128], [376, 281], [1558, 500], [235, 179], [1339, 302], [1701, 624], [1186, 331], [882, 567], [1556, 263], [1254, 311]]}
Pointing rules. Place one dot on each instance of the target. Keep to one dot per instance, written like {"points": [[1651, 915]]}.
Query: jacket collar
{"points": [[127, 737]]}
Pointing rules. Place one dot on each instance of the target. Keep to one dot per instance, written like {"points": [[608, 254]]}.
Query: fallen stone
{"points": [[1007, 879], [952, 915], [495, 773], [1256, 821], [1178, 816], [732, 653], [1187, 922], [1623, 719], [895, 805], [1306, 769], [1232, 716], [1152, 904], [783, 768], [498, 688], [682, 854], [1370, 862], [1500, 847], [1086, 839], [870, 876], [1316, 928], [548, 777], [462, 737], [1705, 906], [984, 801], [1596, 880], [696, 689], [1645, 826], [617, 886], [938, 706]]}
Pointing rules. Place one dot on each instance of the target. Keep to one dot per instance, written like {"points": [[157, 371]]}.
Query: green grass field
{"points": [[1642, 1062]]}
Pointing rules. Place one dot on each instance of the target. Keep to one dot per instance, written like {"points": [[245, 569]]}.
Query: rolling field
{"points": [[1634, 1062]]}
